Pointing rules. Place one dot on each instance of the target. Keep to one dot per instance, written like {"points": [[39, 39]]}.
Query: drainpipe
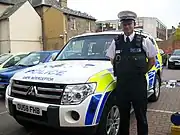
{"points": [[43, 32]]}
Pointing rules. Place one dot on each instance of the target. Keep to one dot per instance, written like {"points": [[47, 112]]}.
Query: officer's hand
{"points": [[151, 62]]}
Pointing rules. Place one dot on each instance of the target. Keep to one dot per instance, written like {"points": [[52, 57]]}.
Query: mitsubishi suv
{"points": [[77, 89]]}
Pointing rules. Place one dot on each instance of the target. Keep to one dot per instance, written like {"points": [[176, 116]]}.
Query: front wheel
{"points": [[155, 96], [110, 119]]}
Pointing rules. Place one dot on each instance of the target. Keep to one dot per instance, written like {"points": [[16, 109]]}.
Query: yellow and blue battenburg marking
{"points": [[92, 109], [105, 86], [157, 64]]}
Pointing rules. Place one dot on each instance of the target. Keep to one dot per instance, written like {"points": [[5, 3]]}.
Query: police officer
{"points": [[128, 53]]}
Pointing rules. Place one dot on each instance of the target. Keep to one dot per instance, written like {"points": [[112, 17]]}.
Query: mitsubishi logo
{"points": [[31, 91]]}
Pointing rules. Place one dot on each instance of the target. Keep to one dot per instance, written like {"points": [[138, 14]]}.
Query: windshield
{"points": [[4, 57], [176, 52], [33, 59], [88, 48]]}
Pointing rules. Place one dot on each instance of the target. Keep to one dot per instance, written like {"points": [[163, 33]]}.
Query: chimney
{"points": [[63, 3]]}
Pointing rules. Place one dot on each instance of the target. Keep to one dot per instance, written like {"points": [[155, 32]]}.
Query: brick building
{"points": [[172, 43], [59, 23]]}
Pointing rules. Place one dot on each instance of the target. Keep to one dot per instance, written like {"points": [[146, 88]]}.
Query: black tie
{"points": [[127, 39]]}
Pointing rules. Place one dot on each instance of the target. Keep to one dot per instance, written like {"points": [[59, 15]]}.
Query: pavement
{"points": [[158, 113]]}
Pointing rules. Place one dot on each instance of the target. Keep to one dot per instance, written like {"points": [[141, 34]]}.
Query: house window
{"points": [[73, 24]]}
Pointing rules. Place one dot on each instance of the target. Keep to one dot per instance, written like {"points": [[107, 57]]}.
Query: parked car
{"points": [[174, 59], [10, 59], [164, 57], [75, 90], [30, 60]]}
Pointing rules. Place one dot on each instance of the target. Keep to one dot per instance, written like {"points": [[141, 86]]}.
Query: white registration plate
{"points": [[29, 109], [177, 63]]}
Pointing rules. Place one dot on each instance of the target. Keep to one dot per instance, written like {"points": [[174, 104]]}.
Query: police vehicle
{"points": [[76, 90]]}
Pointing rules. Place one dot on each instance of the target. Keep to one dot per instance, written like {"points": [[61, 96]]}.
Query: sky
{"points": [[165, 10]]}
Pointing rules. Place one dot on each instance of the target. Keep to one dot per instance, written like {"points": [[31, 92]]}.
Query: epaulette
{"points": [[139, 39], [140, 35], [118, 37]]}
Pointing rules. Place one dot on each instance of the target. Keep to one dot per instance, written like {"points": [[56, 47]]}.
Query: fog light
{"points": [[75, 115]]}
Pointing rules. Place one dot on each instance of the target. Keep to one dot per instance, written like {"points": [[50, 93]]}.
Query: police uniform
{"points": [[130, 66]]}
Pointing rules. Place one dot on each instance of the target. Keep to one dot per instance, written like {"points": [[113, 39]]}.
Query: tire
{"points": [[155, 96], [103, 124]]}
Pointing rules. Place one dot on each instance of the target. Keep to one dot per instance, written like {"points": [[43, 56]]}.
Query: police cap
{"points": [[127, 15]]}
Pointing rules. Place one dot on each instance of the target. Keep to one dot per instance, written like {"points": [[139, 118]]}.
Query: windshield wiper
{"points": [[22, 65], [72, 59]]}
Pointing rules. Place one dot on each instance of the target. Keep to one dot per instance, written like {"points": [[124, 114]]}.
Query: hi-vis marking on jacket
{"points": [[118, 51], [135, 50]]}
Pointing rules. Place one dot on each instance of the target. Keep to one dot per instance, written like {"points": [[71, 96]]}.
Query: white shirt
{"points": [[148, 47]]}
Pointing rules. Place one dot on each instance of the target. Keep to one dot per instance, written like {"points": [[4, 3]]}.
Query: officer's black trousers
{"points": [[133, 90]]}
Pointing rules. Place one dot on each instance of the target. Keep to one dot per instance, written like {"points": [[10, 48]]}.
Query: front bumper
{"points": [[173, 63], [52, 115], [60, 116]]}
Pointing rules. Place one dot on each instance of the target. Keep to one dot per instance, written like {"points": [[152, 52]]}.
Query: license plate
{"points": [[177, 63], [29, 109]]}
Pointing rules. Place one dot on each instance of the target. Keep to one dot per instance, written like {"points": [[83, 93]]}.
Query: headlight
{"points": [[170, 60], [75, 94], [8, 89]]}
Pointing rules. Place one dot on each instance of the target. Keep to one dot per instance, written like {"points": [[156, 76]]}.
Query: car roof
{"points": [[49, 51], [113, 33], [14, 54]]}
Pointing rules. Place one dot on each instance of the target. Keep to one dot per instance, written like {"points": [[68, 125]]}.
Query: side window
{"points": [[14, 60]]}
